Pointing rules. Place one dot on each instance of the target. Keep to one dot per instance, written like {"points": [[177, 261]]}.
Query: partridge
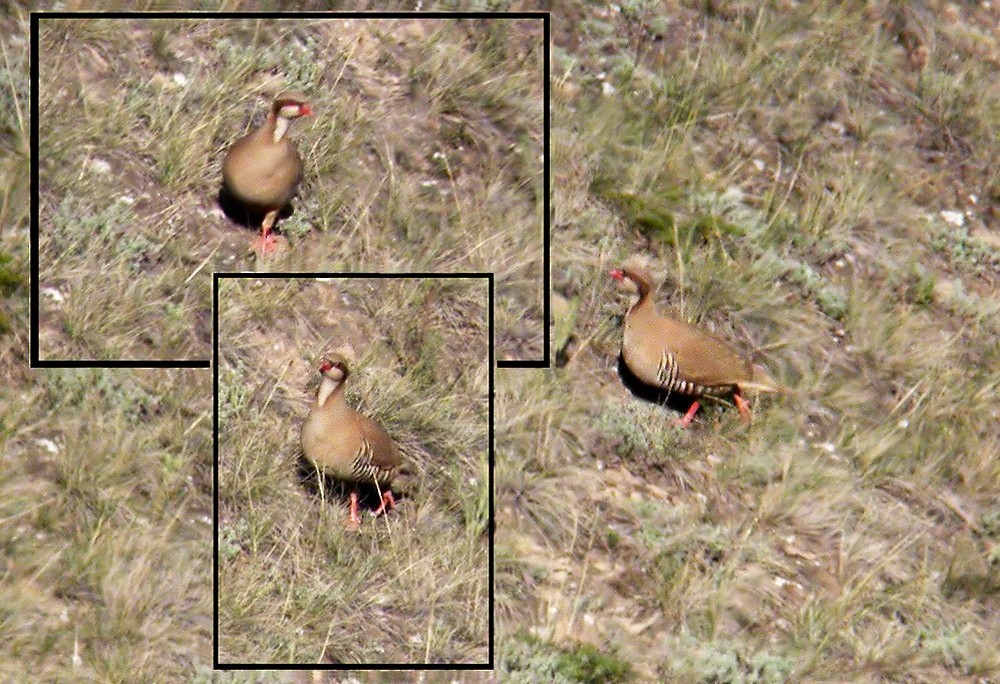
{"points": [[676, 357], [263, 169], [346, 445]]}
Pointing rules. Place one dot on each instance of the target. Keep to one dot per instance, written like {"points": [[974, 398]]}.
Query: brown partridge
{"points": [[263, 169], [676, 357], [346, 445]]}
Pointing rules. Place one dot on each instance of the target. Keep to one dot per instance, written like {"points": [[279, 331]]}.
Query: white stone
{"points": [[48, 445], [53, 294], [98, 166], [955, 218]]}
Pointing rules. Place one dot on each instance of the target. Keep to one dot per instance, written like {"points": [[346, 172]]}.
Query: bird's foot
{"points": [[689, 416], [388, 501], [743, 406], [265, 245], [355, 520]]}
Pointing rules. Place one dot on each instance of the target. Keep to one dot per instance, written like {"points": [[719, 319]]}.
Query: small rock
{"points": [[99, 166], [955, 218], [48, 445], [53, 294]]}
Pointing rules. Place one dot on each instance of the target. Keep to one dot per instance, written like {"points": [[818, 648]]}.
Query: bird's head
{"points": [[290, 105], [334, 367], [635, 276]]}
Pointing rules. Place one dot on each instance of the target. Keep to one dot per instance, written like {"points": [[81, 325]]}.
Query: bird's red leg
{"points": [[388, 501], [355, 520], [266, 243], [743, 406], [689, 416]]}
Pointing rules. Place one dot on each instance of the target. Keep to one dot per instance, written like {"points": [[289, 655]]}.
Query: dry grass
{"points": [[105, 482], [106, 515], [425, 154], [786, 168], [295, 585]]}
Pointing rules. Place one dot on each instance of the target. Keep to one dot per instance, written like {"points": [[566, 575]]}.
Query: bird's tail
{"points": [[762, 382]]}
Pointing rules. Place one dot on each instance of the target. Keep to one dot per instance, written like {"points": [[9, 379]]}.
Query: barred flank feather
{"points": [[365, 467], [674, 356]]}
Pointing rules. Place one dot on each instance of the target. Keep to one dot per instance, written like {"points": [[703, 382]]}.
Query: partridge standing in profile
{"points": [[346, 445], [673, 356], [263, 169]]}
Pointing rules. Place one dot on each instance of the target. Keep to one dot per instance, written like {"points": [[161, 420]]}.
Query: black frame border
{"points": [[216, 664], [36, 16]]}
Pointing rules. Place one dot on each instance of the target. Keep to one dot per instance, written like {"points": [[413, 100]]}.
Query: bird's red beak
{"points": [[305, 110], [325, 366], [616, 273]]}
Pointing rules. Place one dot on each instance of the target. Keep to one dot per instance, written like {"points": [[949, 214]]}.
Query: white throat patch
{"points": [[280, 126]]}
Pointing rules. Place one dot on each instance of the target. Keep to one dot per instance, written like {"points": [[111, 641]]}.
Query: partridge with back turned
{"points": [[345, 444], [676, 357], [262, 170]]}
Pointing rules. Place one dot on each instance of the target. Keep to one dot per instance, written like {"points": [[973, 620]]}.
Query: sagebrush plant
{"points": [[296, 585], [531, 660], [424, 154]]}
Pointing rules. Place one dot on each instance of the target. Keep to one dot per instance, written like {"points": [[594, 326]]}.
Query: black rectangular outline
{"points": [[35, 16], [216, 278]]}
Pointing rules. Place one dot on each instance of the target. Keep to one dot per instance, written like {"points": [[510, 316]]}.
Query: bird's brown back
{"points": [[701, 359]]}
